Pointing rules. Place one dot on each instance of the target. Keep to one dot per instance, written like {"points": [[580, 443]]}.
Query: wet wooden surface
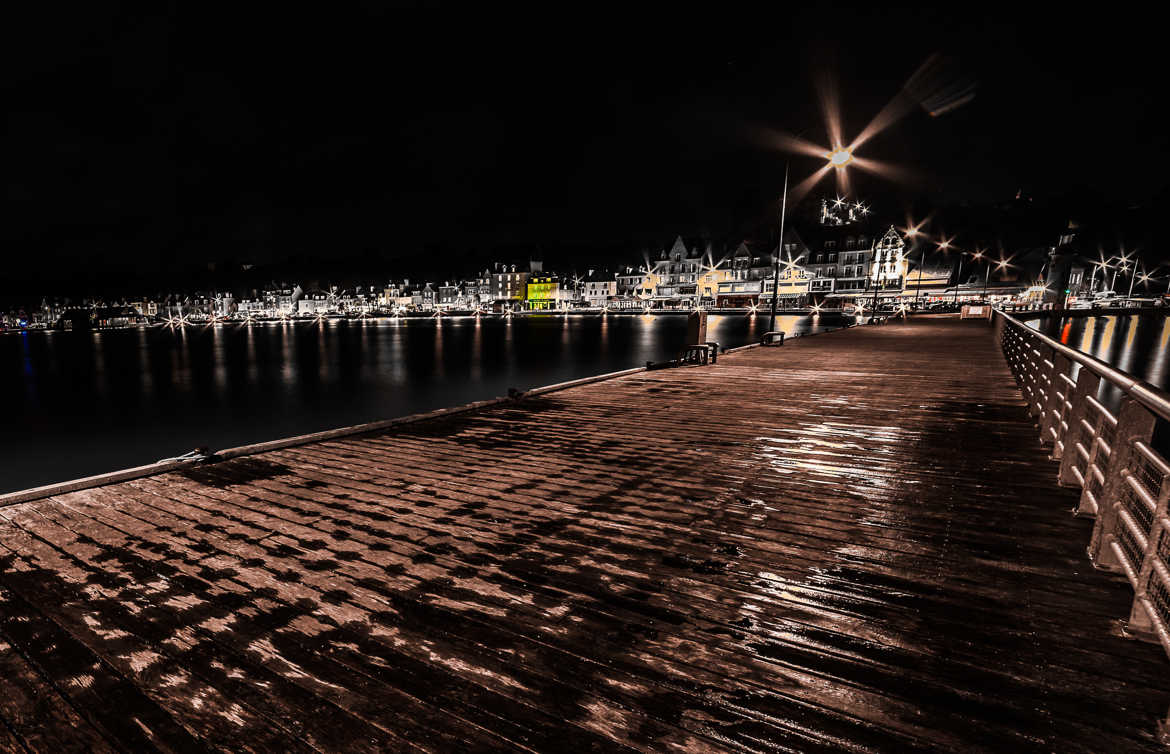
{"points": [[851, 542]]}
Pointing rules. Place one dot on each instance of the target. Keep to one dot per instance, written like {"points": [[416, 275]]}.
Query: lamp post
{"points": [[1132, 276], [838, 158], [1099, 265], [978, 255], [918, 288], [1122, 266], [877, 284], [912, 232], [1002, 264], [944, 246], [779, 248], [959, 279]]}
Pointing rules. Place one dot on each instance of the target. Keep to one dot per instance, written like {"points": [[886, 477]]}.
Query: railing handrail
{"points": [[1150, 396], [1125, 483]]}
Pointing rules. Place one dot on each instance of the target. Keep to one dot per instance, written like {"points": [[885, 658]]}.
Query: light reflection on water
{"points": [[85, 403], [1134, 343]]}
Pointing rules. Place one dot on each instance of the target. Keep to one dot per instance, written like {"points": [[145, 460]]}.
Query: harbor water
{"points": [[82, 403]]}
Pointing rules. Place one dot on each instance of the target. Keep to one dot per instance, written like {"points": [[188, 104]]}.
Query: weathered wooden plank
{"points": [[35, 715]]}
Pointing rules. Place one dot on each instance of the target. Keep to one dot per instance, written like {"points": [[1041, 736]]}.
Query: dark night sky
{"points": [[199, 132]]}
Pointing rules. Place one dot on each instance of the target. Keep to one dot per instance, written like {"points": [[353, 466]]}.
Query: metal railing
{"points": [[1125, 483]]}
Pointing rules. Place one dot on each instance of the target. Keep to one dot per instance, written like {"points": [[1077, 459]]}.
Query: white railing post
{"points": [[1102, 437], [1087, 385], [1056, 392], [1134, 423], [1143, 616], [1032, 365]]}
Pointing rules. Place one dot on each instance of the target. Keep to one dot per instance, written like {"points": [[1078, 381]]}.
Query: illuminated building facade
{"points": [[678, 273], [888, 264], [600, 288], [508, 283], [543, 292], [743, 283], [793, 287], [848, 256], [708, 284]]}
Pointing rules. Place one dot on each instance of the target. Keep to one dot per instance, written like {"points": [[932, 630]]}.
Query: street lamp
{"points": [[841, 157], [1132, 276], [1102, 265], [977, 256], [944, 246], [1122, 266], [779, 247], [838, 158], [912, 232], [1001, 265]]}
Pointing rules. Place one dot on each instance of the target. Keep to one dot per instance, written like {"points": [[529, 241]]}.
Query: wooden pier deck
{"points": [[852, 542]]}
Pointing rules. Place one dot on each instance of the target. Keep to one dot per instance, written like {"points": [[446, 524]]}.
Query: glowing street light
{"points": [[839, 158], [1132, 277], [1001, 265], [1100, 264], [912, 231], [1122, 266], [946, 245]]}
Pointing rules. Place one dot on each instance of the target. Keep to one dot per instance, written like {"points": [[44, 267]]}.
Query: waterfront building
{"points": [[145, 306], [364, 301], [601, 288], [447, 296], [509, 284], [735, 293], [314, 302], [201, 305], [115, 316], [743, 284], [710, 275], [49, 312], [629, 285], [225, 304], [925, 284], [850, 257], [793, 288], [543, 292], [396, 296], [677, 271], [480, 291], [888, 265], [281, 300], [251, 306], [423, 299], [569, 297]]}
